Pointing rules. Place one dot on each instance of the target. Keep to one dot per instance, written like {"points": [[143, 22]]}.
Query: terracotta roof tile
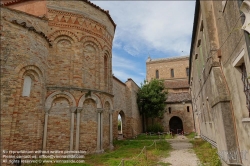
{"points": [[175, 84], [178, 97]]}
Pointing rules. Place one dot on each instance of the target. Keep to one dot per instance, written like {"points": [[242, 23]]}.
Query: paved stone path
{"points": [[182, 153]]}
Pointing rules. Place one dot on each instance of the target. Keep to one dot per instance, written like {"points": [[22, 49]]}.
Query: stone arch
{"points": [[54, 95], [63, 37], [176, 125], [123, 122], [57, 33], [59, 122], [110, 103], [63, 43], [22, 68], [89, 39], [106, 51], [92, 96]]}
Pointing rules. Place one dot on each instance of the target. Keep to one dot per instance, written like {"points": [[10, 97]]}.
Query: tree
{"points": [[151, 99]]}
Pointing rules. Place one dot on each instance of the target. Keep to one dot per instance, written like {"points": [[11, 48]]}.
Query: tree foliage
{"points": [[151, 98]]}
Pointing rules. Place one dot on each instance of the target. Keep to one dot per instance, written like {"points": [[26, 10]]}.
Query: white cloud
{"points": [[124, 68], [144, 25], [158, 28]]}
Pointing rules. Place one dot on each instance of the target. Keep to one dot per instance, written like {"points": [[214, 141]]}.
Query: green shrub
{"points": [[155, 128]]}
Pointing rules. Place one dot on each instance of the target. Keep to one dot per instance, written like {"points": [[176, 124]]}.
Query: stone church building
{"points": [[178, 116], [57, 87]]}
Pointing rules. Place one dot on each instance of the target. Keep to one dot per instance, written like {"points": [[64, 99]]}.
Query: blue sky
{"points": [[157, 28]]}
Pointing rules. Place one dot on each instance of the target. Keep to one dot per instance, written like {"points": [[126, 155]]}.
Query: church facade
{"points": [[57, 88], [178, 116]]}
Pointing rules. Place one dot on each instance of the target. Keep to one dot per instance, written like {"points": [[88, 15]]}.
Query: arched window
{"points": [[157, 74], [105, 70], [27, 86]]}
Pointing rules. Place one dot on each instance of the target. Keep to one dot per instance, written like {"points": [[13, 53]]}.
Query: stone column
{"points": [[45, 128], [72, 110], [99, 130], [111, 129], [78, 116]]}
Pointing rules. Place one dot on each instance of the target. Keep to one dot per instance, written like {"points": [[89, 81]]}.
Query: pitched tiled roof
{"points": [[178, 97], [167, 59], [11, 2], [175, 84]]}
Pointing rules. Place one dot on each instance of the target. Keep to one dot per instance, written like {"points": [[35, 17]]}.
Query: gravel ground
{"points": [[182, 153]]}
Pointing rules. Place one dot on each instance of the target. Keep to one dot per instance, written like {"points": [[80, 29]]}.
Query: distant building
{"points": [[219, 78], [178, 116]]}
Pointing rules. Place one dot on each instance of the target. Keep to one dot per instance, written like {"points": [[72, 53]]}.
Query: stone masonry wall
{"points": [[125, 104], [23, 54], [164, 67], [67, 57]]}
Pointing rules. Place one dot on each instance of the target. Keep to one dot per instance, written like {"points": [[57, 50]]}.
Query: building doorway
{"points": [[176, 125]]}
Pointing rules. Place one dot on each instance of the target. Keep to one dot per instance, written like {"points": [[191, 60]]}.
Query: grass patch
{"points": [[191, 135], [154, 137], [127, 150], [206, 153]]}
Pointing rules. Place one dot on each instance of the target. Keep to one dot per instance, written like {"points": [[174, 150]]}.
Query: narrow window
{"points": [[201, 26], [187, 71], [156, 74], [196, 56], [187, 108], [246, 86], [169, 110], [172, 72], [26, 86], [105, 71]]}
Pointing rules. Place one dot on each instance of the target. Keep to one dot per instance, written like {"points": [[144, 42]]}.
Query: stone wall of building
{"points": [[125, 105], [218, 50], [56, 77], [164, 66], [178, 97], [24, 51]]}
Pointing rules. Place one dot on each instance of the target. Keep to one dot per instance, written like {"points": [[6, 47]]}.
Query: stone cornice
{"points": [[77, 89]]}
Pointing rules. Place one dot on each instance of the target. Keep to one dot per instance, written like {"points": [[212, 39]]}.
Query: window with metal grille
{"points": [[246, 83]]}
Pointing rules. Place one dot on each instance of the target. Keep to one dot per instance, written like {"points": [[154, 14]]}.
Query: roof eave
{"points": [[196, 16]]}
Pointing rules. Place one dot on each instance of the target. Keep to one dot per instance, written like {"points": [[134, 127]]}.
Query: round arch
{"points": [[22, 68], [89, 39], [58, 33], [122, 121], [93, 96], [176, 125], [110, 102], [51, 97]]}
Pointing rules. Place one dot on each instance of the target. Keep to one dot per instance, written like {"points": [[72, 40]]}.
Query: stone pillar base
{"points": [[99, 151]]}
